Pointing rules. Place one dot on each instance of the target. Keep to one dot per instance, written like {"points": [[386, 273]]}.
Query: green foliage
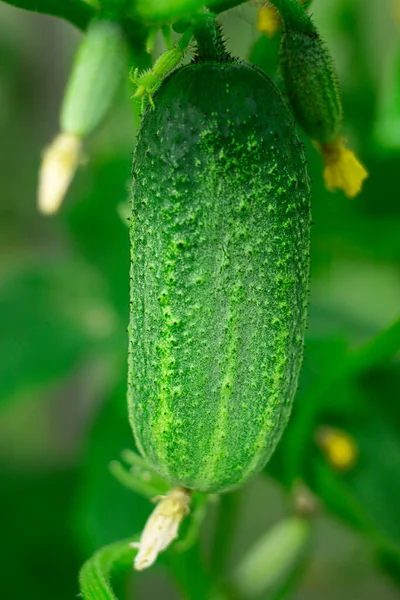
{"points": [[36, 509], [358, 496], [77, 12], [106, 510], [46, 328]]}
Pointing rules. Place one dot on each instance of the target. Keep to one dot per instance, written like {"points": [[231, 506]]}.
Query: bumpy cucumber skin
{"points": [[311, 84], [219, 275]]}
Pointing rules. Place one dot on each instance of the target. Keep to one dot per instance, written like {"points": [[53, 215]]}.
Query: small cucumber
{"points": [[219, 274]]}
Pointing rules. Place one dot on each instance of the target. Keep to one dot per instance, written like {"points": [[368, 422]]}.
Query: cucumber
{"points": [[220, 233], [311, 84]]}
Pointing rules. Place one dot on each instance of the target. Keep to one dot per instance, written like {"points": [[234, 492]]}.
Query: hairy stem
{"points": [[294, 16], [210, 45]]}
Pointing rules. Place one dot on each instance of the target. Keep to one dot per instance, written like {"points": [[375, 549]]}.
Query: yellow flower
{"points": [[342, 170], [162, 526], [268, 20], [338, 446], [58, 167]]}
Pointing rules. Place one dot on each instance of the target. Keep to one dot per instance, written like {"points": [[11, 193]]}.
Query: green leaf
{"points": [[106, 510], [366, 496], [40, 560], [52, 315], [350, 390], [264, 54], [77, 12], [310, 403], [97, 229]]}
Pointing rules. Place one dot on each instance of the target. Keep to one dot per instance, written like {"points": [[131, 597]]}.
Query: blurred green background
{"points": [[64, 312]]}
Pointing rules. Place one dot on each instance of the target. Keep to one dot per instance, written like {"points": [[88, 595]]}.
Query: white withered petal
{"points": [[162, 527]]}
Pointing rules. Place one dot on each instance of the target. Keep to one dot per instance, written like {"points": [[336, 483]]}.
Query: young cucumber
{"points": [[219, 275]]}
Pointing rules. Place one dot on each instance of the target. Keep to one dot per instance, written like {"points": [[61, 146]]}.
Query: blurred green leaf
{"points": [[77, 12], [352, 390], [312, 400], [52, 315], [106, 510], [39, 559], [373, 482], [367, 496], [264, 54], [97, 230]]}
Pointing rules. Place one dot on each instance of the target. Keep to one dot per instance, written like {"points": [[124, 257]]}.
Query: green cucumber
{"points": [[311, 84], [219, 274]]}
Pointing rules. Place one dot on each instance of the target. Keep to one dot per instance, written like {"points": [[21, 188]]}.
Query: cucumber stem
{"points": [[294, 16], [228, 508], [210, 44]]}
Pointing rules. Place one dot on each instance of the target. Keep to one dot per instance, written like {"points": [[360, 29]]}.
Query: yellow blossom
{"points": [[268, 20], [338, 446], [58, 167], [162, 526], [342, 170]]}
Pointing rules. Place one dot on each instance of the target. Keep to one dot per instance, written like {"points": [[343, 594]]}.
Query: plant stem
{"points": [[210, 45], [294, 16], [224, 532]]}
